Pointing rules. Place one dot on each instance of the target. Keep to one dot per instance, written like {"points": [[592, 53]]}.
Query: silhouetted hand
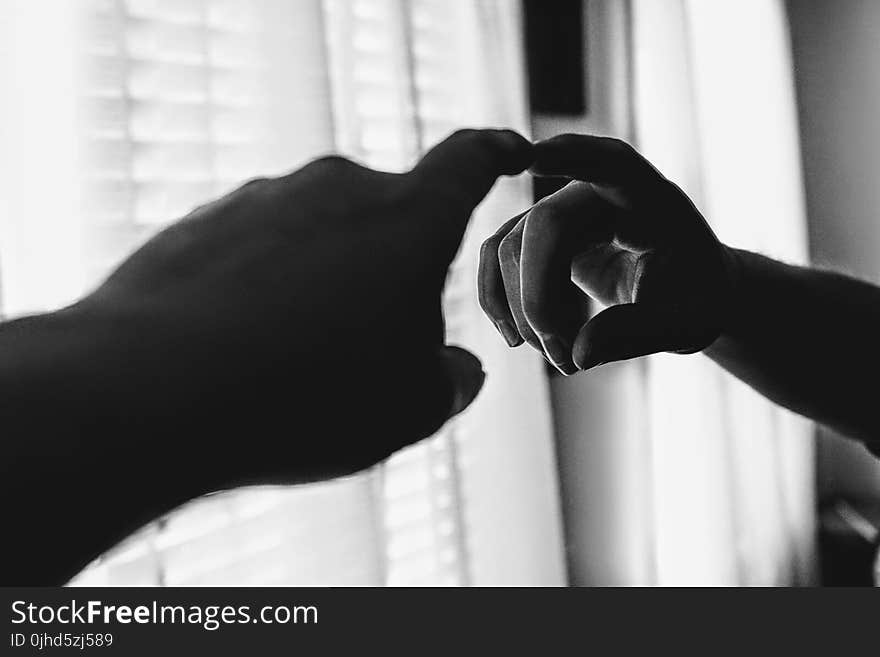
{"points": [[620, 233], [292, 330]]}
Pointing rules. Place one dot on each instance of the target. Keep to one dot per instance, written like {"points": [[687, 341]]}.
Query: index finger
{"points": [[467, 164], [602, 160]]}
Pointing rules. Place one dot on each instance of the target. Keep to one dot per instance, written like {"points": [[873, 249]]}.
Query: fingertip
{"points": [[520, 152], [588, 350], [558, 353], [509, 333], [586, 358], [466, 164], [555, 155], [557, 142]]}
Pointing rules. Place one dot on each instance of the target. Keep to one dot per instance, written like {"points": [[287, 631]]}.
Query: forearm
{"points": [[75, 471], [808, 340]]}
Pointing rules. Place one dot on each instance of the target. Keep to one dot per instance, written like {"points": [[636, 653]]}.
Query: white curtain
{"points": [[120, 115], [731, 476]]}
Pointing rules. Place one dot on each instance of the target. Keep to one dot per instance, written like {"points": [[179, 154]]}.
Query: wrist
{"points": [[735, 293]]}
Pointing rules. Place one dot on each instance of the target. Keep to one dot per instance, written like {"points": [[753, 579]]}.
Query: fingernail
{"points": [[467, 377], [559, 354], [509, 333]]}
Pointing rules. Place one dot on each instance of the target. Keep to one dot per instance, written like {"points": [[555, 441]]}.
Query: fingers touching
{"points": [[466, 165], [605, 161], [585, 238]]}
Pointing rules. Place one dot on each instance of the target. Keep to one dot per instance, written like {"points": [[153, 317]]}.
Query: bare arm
{"points": [[81, 467], [807, 339]]}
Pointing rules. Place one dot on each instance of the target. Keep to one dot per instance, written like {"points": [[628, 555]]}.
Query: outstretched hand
{"points": [[620, 233], [292, 330]]}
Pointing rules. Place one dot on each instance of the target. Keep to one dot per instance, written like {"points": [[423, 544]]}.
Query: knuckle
{"points": [[510, 247], [257, 192], [330, 164], [466, 133], [544, 215], [257, 185], [253, 183]]}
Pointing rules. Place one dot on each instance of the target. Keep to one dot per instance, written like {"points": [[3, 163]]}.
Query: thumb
{"points": [[632, 330], [441, 385], [465, 375], [467, 164]]}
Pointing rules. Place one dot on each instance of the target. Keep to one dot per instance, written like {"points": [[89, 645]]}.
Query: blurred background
{"points": [[118, 116]]}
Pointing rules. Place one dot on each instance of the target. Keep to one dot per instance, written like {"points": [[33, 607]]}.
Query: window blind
{"points": [[178, 105], [182, 101], [394, 69]]}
